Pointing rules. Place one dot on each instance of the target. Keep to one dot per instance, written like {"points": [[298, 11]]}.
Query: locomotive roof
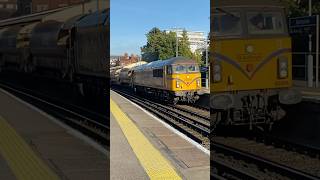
{"points": [[171, 61], [134, 65], [96, 18], [237, 3]]}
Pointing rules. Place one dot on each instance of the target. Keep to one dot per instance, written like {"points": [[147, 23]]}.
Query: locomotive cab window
{"points": [[169, 70], [193, 68], [265, 23], [187, 68], [178, 69], [226, 23]]}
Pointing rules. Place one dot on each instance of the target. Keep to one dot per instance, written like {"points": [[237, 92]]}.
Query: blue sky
{"points": [[130, 20]]}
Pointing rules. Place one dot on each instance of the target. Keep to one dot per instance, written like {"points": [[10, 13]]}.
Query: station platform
{"points": [[308, 94], [205, 91], [144, 147], [35, 146]]}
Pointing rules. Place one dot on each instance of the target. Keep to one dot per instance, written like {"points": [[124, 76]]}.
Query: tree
{"points": [[160, 45], [301, 7], [199, 56], [184, 45]]}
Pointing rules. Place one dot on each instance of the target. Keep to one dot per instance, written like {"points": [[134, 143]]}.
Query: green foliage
{"points": [[199, 56], [162, 45], [301, 7], [184, 46]]}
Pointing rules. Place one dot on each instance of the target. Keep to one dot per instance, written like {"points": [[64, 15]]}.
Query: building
{"points": [[43, 5], [124, 60], [24, 7], [8, 8], [197, 39], [9, 4], [13, 8], [114, 61]]}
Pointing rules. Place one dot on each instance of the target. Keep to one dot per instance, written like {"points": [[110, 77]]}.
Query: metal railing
{"points": [[300, 65]]}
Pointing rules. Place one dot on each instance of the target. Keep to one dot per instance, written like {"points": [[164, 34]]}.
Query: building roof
{"points": [[28, 18], [234, 3], [77, 10]]}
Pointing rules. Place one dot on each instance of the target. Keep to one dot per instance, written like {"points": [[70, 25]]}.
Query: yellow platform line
{"points": [[155, 165], [22, 160]]}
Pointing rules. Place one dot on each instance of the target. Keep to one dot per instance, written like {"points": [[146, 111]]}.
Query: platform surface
{"points": [[183, 157], [35, 146], [308, 93]]}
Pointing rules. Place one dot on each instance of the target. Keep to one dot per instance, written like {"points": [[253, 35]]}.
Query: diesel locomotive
{"points": [[251, 66]]}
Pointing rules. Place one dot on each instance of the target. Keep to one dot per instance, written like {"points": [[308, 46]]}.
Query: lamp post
{"points": [[310, 57], [207, 63], [177, 45]]}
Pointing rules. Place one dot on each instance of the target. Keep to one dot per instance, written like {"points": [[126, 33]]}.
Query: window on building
{"points": [[10, 6], [42, 7], [62, 5]]}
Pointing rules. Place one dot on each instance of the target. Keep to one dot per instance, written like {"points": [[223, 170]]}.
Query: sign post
{"points": [[310, 57], [317, 52], [308, 25]]}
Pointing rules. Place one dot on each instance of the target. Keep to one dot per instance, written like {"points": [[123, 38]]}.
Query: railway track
{"points": [[290, 145], [200, 113], [82, 119], [264, 160], [192, 124]]}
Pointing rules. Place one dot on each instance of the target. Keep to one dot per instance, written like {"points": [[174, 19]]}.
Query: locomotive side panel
{"points": [[11, 56], [91, 46], [48, 45]]}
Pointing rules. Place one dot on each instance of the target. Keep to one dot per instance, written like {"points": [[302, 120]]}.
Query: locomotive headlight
{"points": [[216, 68], [217, 73], [198, 82], [282, 67], [217, 77], [177, 84], [283, 73]]}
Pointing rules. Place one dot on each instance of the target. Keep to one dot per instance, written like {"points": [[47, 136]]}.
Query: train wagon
{"points": [[91, 64], [251, 64], [49, 49], [61, 50], [114, 74], [10, 56], [15, 48], [176, 79], [125, 74]]}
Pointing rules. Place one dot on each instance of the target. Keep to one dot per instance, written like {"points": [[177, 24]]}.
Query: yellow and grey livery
{"points": [[175, 79], [250, 61]]}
